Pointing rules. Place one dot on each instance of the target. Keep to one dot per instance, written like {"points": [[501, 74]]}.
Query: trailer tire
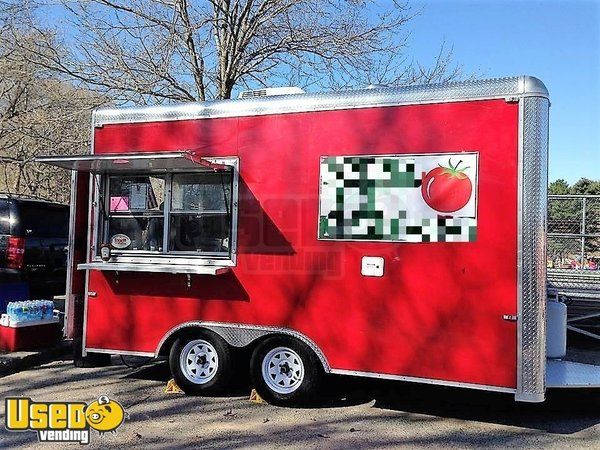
{"points": [[201, 363], [285, 371]]}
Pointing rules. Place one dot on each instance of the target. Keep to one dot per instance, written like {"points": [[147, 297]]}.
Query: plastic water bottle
{"points": [[9, 311], [34, 309], [17, 311], [23, 310], [48, 309], [27, 311], [13, 312], [40, 313]]}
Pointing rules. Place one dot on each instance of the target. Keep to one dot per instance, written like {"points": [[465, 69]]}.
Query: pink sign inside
{"points": [[119, 204]]}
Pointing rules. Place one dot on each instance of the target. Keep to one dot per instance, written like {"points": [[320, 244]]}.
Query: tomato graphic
{"points": [[447, 189]]}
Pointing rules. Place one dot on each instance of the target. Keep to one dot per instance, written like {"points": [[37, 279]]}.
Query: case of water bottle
{"points": [[28, 325]]}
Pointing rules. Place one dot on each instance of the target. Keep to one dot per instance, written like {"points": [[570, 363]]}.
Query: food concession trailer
{"points": [[394, 233]]}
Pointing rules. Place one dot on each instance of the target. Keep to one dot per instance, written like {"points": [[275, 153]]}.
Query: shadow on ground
{"points": [[565, 411]]}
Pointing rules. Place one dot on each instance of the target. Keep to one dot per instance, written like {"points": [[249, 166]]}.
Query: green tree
{"points": [[559, 187], [586, 186]]}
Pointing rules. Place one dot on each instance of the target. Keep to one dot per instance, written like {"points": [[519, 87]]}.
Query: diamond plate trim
{"points": [[240, 335], [567, 374], [532, 324], [367, 98]]}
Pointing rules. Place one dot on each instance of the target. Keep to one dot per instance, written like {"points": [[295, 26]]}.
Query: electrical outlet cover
{"points": [[372, 266]]}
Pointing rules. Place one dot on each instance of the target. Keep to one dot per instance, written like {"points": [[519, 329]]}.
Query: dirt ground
{"points": [[352, 414]]}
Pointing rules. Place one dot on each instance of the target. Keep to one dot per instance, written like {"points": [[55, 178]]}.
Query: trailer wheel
{"points": [[201, 363], [285, 371]]}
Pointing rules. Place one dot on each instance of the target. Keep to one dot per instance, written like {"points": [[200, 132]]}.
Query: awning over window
{"points": [[135, 162]]}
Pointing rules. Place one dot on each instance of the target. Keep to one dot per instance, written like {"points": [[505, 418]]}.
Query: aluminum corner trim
{"points": [[529, 398], [532, 87], [533, 204]]}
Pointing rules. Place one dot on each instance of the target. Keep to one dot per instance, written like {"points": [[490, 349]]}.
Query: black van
{"points": [[33, 244]]}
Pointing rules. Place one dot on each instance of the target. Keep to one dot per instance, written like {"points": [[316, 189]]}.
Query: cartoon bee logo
{"points": [[104, 414]]}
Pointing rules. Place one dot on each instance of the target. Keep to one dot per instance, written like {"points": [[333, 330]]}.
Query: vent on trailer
{"points": [[268, 92]]}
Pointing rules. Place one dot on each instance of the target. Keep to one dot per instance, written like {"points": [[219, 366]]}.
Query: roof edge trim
{"points": [[522, 86]]}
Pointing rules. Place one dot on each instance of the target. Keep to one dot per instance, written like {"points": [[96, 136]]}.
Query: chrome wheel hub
{"points": [[283, 370], [199, 361]]}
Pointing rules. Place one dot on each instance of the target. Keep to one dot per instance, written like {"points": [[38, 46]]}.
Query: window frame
{"points": [[166, 256], [103, 227]]}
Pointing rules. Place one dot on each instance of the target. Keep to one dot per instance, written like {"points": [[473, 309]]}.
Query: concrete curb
{"points": [[14, 362]]}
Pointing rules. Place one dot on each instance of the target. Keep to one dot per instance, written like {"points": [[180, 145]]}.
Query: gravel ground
{"points": [[353, 414]]}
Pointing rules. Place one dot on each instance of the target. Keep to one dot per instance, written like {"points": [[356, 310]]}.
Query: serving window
{"points": [[136, 210], [200, 215], [184, 213], [170, 211]]}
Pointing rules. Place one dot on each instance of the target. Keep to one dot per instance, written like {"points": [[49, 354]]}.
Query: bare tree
{"points": [[183, 50], [150, 51], [38, 115]]}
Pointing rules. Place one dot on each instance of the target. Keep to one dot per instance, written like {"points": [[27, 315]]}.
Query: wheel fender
{"points": [[241, 335]]}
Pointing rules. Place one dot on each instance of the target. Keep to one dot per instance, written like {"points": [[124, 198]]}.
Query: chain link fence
{"points": [[574, 232], [573, 252]]}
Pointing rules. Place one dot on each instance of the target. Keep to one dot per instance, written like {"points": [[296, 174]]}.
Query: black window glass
{"points": [[38, 219], [207, 233], [136, 210], [201, 192], [145, 233], [4, 216], [200, 212]]}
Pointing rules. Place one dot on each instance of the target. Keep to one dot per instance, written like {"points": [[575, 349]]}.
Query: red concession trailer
{"points": [[394, 233]]}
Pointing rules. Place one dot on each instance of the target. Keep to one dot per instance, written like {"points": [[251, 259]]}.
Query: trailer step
{"points": [[568, 374]]}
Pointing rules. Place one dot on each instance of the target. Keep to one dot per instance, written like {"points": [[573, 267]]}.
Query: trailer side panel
{"points": [[437, 313]]}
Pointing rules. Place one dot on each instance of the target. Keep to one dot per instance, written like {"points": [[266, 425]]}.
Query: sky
{"points": [[556, 41]]}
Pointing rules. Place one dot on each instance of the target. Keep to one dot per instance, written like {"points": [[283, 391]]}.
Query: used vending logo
{"points": [[63, 421]]}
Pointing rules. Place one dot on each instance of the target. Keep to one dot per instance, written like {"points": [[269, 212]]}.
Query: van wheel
{"points": [[285, 371], [201, 363]]}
